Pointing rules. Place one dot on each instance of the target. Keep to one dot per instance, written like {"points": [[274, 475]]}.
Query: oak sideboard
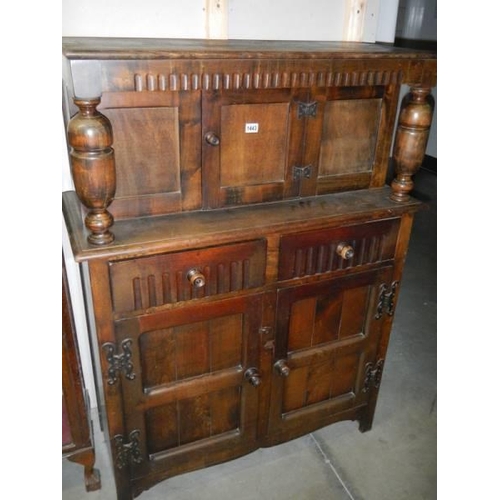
{"points": [[242, 251]]}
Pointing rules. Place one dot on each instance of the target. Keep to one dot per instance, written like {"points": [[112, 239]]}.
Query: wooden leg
{"points": [[92, 475], [92, 478], [366, 420]]}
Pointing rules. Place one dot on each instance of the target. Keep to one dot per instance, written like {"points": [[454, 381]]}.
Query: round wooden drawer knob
{"points": [[345, 251], [196, 278]]}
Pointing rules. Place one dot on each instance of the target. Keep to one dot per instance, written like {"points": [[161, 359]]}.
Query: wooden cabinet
{"points": [[77, 432], [242, 254]]}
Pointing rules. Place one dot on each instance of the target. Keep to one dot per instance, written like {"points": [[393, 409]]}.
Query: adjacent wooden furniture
{"points": [[241, 249], [77, 435]]}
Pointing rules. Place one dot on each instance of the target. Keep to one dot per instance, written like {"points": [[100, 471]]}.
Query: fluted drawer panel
{"points": [[315, 252], [146, 282]]}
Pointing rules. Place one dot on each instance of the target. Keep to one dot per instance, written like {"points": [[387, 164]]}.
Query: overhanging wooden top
{"points": [[148, 235], [155, 48]]}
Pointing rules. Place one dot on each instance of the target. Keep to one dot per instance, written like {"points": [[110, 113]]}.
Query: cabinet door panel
{"points": [[258, 141], [189, 393], [349, 136], [347, 141], [256, 153], [155, 173], [327, 333]]}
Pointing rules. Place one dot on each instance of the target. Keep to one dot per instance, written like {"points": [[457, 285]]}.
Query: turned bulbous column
{"points": [[93, 167], [415, 118]]}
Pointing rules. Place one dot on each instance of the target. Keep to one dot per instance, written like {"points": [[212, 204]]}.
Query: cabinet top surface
{"points": [[159, 48], [172, 232]]}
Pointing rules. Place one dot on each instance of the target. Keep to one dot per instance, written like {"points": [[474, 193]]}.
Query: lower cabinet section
{"points": [[282, 330], [209, 380]]}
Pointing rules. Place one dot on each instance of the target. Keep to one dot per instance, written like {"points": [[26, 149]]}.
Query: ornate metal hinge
{"points": [[302, 172], [386, 299], [127, 453], [373, 375], [307, 109], [119, 362]]}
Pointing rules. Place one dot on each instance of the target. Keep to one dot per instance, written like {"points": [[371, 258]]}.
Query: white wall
{"points": [[259, 19], [286, 20], [129, 18]]}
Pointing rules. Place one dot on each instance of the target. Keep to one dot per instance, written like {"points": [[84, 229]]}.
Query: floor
{"points": [[396, 460]]}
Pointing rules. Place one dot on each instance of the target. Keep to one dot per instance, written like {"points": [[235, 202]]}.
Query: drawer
{"points": [[327, 250], [141, 283]]}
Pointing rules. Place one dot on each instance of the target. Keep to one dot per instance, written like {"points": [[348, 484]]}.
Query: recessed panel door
{"points": [[251, 142], [348, 142], [157, 151], [192, 389], [326, 340]]}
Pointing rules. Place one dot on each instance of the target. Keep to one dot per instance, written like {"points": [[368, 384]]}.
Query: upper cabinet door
{"points": [[348, 143], [157, 151], [251, 142]]}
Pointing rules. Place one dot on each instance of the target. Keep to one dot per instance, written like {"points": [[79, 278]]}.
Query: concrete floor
{"points": [[396, 460]]}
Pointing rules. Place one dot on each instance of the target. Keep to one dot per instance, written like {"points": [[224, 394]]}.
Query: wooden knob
{"points": [[212, 139], [253, 376], [282, 368], [196, 278], [345, 251]]}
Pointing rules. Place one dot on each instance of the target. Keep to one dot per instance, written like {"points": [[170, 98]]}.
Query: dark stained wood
{"points": [[190, 392], [326, 376], [154, 175], [77, 442], [248, 294], [412, 134], [90, 137], [262, 135], [149, 235], [163, 279], [316, 252], [149, 48]]}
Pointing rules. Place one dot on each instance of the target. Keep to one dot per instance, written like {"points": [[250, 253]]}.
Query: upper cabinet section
{"points": [[201, 124]]}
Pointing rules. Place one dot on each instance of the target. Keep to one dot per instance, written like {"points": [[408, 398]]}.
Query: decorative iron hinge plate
{"points": [[373, 375], [386, 299], [302, 172], [307, 109], [119, 362], [127, 452]]}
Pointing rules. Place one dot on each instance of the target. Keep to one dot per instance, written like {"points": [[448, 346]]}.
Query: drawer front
{"points": [[139, 284], [328, 250]]}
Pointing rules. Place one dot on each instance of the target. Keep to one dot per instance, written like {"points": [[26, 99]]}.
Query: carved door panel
{"points": [[251, 142], [326, 350], [155, 172], [189, 387]]}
